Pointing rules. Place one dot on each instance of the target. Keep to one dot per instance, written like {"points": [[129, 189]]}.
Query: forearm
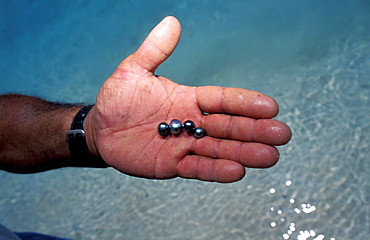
{"points": [[33, 134]]}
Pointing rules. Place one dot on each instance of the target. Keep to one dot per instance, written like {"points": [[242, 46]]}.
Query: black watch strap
{"points": [[76, 135], [77, 142]]}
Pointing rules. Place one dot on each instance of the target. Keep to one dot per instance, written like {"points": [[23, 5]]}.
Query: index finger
{"points": [[236, 101]]}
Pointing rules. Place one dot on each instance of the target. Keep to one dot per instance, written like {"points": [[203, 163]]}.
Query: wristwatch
{"points": [[76, 134]]}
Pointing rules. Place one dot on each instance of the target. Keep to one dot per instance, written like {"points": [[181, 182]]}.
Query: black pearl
{"points": [[175, 126], [199, 133], [189, 126], [163, 129]]}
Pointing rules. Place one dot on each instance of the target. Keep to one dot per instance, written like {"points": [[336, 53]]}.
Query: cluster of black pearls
{"points": [[175, 127]]}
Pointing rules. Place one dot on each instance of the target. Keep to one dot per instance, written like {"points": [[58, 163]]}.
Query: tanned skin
{"points": [[121, 129]]}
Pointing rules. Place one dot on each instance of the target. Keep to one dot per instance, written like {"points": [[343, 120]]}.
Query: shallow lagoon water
{"points": [[312, 57]]}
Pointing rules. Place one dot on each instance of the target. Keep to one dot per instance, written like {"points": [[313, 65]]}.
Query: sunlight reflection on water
{"points": [[311, 57]]}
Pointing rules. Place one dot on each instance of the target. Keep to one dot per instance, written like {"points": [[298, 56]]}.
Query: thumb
{"points": [[157, 47]]}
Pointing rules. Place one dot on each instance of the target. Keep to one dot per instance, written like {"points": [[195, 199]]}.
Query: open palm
{"points": [[133, 101]]}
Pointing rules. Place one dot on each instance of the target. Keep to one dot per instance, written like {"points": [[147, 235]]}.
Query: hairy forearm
{"points": [[33, 134]]}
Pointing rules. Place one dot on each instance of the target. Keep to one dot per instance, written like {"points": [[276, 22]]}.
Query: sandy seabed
{"points": [[312, 57]]}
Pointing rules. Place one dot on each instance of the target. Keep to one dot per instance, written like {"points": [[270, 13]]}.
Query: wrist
{"points": [[81, 140], [90, 133]]}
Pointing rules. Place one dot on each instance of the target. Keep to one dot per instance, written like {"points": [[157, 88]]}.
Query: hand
{"points": [[122, 127]]}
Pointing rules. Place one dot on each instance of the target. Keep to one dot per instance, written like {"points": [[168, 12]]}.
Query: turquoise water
{"points": [[312, 56]]}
